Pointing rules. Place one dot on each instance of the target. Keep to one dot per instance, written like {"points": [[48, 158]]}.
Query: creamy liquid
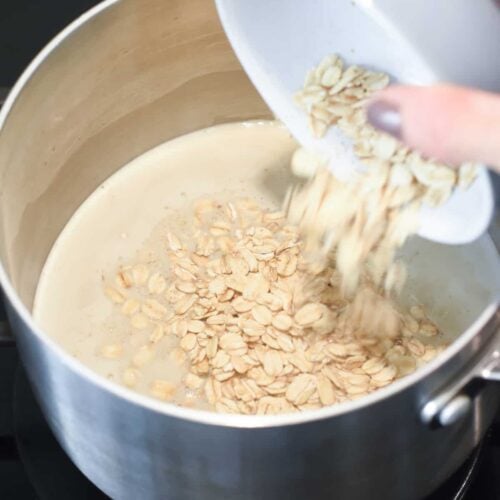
{"points": [[125, 220]]}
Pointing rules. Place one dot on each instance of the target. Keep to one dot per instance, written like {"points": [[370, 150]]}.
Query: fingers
{"points": [[448, 123]]}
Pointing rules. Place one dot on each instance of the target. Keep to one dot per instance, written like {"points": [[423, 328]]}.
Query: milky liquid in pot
{"points": [[126, 219]]}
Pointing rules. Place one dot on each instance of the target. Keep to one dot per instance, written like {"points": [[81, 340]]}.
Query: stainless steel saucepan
{"points": [[123, 78]]}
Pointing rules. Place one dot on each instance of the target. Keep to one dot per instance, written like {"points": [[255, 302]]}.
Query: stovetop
{"points": [[32, 464]]}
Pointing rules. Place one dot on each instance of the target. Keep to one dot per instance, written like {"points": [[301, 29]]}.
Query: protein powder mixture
{"points": [[181, 278]]}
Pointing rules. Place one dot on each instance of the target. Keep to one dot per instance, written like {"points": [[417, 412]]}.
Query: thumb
{"points": [[448, 123]]}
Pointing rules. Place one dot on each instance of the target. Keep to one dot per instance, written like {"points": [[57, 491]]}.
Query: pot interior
{"points": [[140, 73]]}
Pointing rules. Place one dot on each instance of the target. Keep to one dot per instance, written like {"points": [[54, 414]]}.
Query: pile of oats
{"points": [[366, 219], [261, 333]]}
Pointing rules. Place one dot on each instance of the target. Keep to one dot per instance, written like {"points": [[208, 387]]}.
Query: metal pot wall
{"points": [[123, 78]]}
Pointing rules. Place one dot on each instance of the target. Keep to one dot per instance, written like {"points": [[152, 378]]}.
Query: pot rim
{"points": [[203, 416]]}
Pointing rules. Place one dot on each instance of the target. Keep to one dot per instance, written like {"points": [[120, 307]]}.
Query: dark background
{"points": [[27, 25]]}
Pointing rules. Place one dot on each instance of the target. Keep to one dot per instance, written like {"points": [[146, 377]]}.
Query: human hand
{"points": [[451, 124]]}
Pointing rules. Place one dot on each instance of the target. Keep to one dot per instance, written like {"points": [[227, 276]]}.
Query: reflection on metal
{"points": [[455, 410]]}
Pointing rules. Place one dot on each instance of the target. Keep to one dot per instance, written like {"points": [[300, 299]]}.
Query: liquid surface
{"points": [[133, 210]]}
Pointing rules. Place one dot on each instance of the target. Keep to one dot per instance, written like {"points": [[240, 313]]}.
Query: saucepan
{"points": [[123, 78]]}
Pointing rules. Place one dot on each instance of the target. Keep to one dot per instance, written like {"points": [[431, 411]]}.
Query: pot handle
{"points": [[453, 402]]}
